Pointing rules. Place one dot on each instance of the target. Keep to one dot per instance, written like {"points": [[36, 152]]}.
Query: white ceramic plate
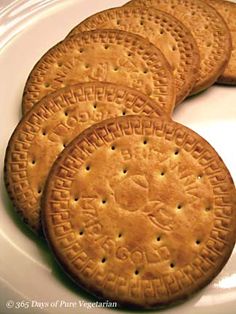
{"points": [[29, 276]]}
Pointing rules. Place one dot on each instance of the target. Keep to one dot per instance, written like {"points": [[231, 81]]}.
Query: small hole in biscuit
{"points": [[208, 44], [81, 232], [59, 64], [159, 238], [145, 71], [66, 113], [193, 13], [87, 168], [145, 142], [116, 69], [106, 47], [64, 145], [123, 113], [179, 206], [174, 48], [46, 84], [86, 66], [33, 162], [76, 199], [44, 133], [81, 50], [176, 152], [141, 23], [119, 235], [113, 147], [39, 191], [125, 171], [129, 54], [104, 201], [95, 106], [103, 260], [207, 209], [198, 242], [161, 32], [118, 22], [172, 265], [162, 173], [136, 272]]}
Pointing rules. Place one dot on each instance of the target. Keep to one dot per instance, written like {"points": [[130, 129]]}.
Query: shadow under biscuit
{"points": [[59, 273], [189, 98]]}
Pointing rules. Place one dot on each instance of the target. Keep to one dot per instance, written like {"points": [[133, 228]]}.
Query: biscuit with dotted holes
{"points": [[163, 30], [53, 123], [103, 55], [228, 11], [209, 30], [140, 211]]}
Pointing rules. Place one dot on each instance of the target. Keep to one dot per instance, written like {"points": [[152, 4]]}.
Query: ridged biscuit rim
{"points": [[153, 56], [226, 78], [202, 84], [44, 110], [121, 122], [173, 25]]}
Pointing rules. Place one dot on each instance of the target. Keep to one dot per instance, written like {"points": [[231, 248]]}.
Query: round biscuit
{"points": [[140, 211], [50, 125], [163, 30], [103, 55], [209, 30], [228, 11]]}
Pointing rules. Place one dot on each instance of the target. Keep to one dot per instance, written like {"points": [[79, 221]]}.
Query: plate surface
{"points": [[30, 279]]}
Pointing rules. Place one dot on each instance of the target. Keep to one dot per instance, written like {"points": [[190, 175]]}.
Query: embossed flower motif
{"points": [[124, 193], [99, 72]]}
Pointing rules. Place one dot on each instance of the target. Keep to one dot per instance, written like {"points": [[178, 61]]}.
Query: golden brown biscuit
{"points": [[163, 30], [51, 124], [209, 30], [228, 11], [140, 211], [103, 55]]}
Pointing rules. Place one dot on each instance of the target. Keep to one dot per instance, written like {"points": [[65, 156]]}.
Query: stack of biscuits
{"points": [[136, 207]]}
